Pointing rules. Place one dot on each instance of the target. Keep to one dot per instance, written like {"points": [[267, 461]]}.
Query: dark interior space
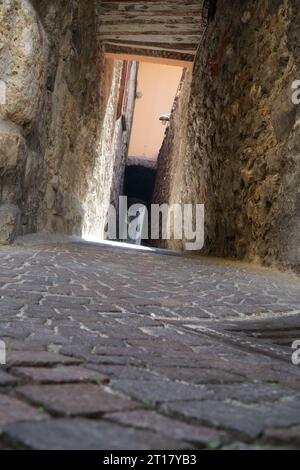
{"points": [[139, 187], [139, 184]]}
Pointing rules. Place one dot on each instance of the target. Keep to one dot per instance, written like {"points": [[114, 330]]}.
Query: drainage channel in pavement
{"points": [[270, 336]]}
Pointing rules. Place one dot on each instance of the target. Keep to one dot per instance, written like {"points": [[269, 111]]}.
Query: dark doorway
{"points": [[139, 184], [139, 187]]}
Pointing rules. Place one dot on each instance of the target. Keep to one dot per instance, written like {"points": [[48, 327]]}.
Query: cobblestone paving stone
{"points": [[111, 348]]}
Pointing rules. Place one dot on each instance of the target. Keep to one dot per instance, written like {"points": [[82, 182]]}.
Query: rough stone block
{"points": [[60, 374], [22, 61], [7, 379], [236, 417], [251, 393], [13, 410], [287, 437], [161, 390], [75, 399], [199, 375], [38, 358], [123, 372], [9, 217], [80, 434], [12, 146], [172, 428]]}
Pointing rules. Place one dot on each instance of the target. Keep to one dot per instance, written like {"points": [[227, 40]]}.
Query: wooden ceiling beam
{"points": [[150, 14], [154, 37], [166, 6], [138, 19], [115, 48], [171, 55], [159, 39], [147, 2], [177, 29], [184, 48]]}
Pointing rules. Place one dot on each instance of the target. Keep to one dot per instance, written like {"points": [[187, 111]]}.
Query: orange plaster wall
{"points": [[158, 83]]}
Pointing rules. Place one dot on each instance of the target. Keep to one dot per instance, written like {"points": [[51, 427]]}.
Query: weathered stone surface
{"points": [[168, 427], [13, 410], [160, 390], [123, 372], [80, 434], [285, 437], [250, 393], [75, 399], [238, 446], [7, 379], [64, 94], [237, 417], [240, 154], [217, 414], [263, 396], [60, 374], [12, 147], [195, 375], [172, 157], [38, 358], [9, 219], [23, 54], [106, 180]]}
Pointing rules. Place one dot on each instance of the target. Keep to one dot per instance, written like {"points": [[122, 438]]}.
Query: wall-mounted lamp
{"points": [[164, 119]]}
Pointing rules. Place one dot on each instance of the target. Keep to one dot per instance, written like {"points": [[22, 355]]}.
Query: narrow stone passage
{"points": [[115, 348]]}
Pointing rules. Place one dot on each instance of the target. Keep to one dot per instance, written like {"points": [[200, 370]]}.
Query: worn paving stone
{"points": [[199, 376], [7, 379], [217, 414], [251, 367], [62, 374], [13, 410], [38, 358], [172, 428], [85, 353], [247, 420], [154, 345], [239, 446], [159, 390], [286, 437], [117, 360], [251, 393], [80, 434], [75, 399], [123, 372]]}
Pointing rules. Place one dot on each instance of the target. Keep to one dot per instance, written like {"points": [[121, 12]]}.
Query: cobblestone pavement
{"points": [[118, 349]]}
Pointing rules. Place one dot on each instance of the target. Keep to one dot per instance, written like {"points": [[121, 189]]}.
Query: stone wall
{"points": [[170, 182], [242, 157], [106, 183], [71, 115], [59, 117], [23, 60]]}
